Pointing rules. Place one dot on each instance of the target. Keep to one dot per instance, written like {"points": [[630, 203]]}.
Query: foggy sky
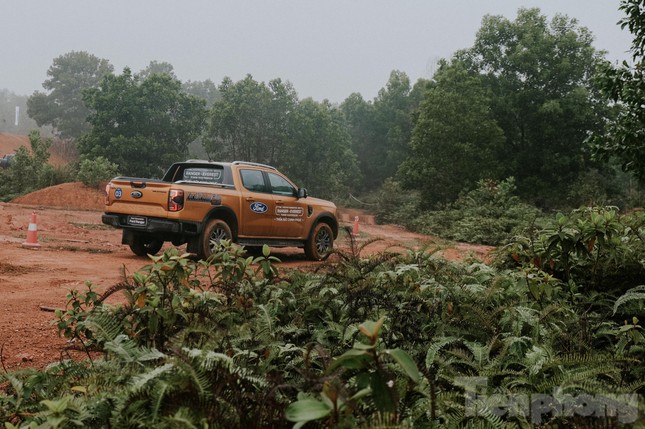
{"points": [[327, 49]]}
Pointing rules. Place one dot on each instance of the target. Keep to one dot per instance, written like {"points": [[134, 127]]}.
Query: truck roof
{"points": [[255, 164]]}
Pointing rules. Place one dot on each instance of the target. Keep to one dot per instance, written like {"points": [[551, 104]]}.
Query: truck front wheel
{"points": [[320, 242], [143, 246], [215, 231]]}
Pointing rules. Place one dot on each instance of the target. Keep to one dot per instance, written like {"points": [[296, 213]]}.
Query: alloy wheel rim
{"points": [[216, 237], [323, 242]]}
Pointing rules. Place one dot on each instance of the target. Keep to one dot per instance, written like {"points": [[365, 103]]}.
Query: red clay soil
{"points": [[75, 247], [9, 143]]}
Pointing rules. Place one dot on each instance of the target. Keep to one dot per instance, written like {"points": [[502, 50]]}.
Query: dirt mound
{"points": [[73, 195], [9, 143]]}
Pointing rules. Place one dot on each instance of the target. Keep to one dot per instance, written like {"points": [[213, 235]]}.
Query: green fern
{"points": [[128, 351], [104, 324], [634, 294]]}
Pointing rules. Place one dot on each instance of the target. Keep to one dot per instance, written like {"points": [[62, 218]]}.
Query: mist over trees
{"points": [[381, 129], [267, 123], [520, 103], [9, 103], [318, 150], [249, 121], [62, 105]]}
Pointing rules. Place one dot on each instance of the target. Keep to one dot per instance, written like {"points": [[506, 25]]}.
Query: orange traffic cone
{"points": [[32, 234], [355, 228]]}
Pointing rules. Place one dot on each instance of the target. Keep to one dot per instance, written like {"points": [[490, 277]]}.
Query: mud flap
{"points": [[127, 237], [192, 245]]}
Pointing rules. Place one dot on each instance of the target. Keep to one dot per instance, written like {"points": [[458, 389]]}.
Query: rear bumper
{"points": [[152, 226]]}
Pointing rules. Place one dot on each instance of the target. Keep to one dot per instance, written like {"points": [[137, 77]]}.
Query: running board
{"points": [[270, 242]]}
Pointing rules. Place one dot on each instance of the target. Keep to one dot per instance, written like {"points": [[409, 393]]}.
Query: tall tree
{"points": [[381, 129], [456, 138], [141, 125], [318, 153], [156, 67], [203, 89], [207, 91], [539, 73], [62, 105], [249, 121], [623, 137]]}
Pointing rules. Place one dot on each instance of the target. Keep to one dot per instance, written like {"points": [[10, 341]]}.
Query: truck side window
{"points": [[280, 186], [253, 180]]}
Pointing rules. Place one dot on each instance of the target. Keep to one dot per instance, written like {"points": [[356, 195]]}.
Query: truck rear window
{"points": [[203, 175]]}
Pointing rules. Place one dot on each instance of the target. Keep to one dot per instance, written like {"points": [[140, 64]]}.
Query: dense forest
{"points": [[521, 103], [528, 140]]}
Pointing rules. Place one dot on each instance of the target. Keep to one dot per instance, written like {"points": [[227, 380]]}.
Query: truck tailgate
{"points": [[138, 197]]}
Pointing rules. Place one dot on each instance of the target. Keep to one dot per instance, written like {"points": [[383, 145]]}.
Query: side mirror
{"points": [[302, 193]]}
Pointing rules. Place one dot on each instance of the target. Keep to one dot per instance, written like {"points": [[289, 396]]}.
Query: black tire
{"points": [[320, 242], [144, 246], [214, 231]]}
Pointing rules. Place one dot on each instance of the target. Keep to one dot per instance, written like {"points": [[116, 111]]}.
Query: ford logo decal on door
{"points": [[136, 194], [257, 207]]}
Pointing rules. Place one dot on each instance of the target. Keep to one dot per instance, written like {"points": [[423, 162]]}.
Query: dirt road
{"points": [[75, 248]]}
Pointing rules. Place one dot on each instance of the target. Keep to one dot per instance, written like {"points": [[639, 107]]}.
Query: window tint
{"points": [[280, 186], [253, 180]]}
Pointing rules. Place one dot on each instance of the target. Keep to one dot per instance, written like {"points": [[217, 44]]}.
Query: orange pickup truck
{"points": [[199, 203]]}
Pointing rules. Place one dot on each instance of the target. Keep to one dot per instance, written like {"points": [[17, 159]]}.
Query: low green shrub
{"points": [[29, 170], [597, 247], [382, 341], [489, 214], [396, 205], [93, 172]]}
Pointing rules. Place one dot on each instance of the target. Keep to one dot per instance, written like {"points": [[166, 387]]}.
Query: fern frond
{"points": [[194, 372], [105, 325], [436, 346], [536, 358], [634, 294], [480, 352], [128, 351], [208, 359], [265, 319], [183, 418], [140, 381], [162, 390]]}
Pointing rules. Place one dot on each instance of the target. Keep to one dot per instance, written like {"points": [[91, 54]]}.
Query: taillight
{"points": [[175, 200], [107, 194]]}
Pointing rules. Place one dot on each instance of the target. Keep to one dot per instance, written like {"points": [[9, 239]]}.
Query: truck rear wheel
{"points": [[320, 242], [143, 246], [215, 231]]}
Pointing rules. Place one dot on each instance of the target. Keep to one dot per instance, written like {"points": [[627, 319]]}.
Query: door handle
{"points": [[280, 202]]}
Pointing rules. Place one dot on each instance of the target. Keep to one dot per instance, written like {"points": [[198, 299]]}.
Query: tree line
{"points": [[531, 100]]}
